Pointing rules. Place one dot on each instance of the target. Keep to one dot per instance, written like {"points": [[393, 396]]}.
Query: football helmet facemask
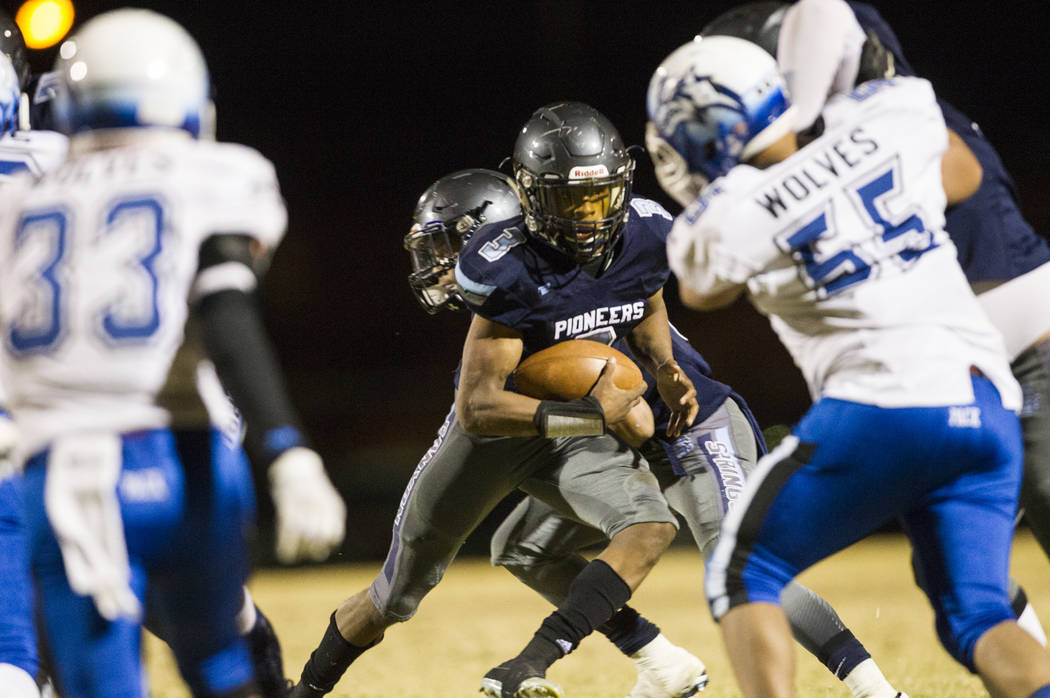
{"points": [[447, 214], [132, 68], [718, 101], [574, 175]]}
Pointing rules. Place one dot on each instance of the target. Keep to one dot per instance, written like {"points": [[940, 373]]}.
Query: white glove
{"points": [[311, 516], [10, 464], [80, 498]]}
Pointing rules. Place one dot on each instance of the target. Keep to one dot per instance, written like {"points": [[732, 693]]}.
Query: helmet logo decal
{"points": [[588, 171]]}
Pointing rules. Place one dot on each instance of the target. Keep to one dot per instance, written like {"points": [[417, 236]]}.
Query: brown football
{"points": [[568, 370]]}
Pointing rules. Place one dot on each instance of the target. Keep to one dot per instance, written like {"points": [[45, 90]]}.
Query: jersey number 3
{"points": [[136, 227]]}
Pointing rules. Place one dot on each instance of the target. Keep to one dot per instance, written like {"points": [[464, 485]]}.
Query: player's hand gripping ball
{"points": [[568, 370]]}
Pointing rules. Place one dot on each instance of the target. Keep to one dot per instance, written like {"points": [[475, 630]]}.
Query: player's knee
{"points": [[960, 631], [650, 540]]}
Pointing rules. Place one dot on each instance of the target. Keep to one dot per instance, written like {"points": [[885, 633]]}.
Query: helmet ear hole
{"points": [[710, 150]]}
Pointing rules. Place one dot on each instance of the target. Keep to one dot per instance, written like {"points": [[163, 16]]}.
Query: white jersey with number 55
{"points": [[98, 263], [843, 246]]}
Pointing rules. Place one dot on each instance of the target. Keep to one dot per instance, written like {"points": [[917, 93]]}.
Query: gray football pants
{"points": [[1032, 370], [541, 548], [594, 481]]}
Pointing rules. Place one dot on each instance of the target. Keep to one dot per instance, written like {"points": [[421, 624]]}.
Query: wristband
{"points": [[583, 417]]}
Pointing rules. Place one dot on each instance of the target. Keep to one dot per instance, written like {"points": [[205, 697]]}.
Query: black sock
{"points": [[629, 630], [1018, 602], [330, 660], [594, 597], [842, 653]]}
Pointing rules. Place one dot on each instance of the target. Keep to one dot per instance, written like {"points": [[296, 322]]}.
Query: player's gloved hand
{"points": [[679, 395], [311, 516], [615, 401], [9, 463], [80, 498]]}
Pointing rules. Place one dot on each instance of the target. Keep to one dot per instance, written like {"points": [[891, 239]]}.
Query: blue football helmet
{"points": [[132, 68], [718, 101]]}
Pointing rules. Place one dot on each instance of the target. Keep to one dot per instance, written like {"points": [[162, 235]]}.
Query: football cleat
{"points": [[668, 671], [517, 679], [266, 658]]}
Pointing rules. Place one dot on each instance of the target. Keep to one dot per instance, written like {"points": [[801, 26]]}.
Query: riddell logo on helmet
{"points": [[588, 172]]}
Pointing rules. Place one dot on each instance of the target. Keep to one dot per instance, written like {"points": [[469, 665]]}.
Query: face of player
{"points": [[586, 204]]}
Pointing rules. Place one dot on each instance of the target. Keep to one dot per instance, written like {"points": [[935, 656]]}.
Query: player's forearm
{"points": [[496, 412], [650, 340], [237, 344]]}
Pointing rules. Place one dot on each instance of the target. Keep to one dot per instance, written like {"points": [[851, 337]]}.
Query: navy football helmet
{"points": [[757, 22], [447, 214], [574, 175]]}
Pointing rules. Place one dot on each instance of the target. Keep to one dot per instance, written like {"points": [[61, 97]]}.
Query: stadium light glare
{"points": [[44, 22]]}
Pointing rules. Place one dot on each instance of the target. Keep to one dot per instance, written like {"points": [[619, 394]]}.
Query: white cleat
{"points": [[667, 671]]}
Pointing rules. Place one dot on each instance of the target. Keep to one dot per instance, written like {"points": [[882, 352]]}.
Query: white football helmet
{"points": [[132, 68], [718, 101], [10, 96]]}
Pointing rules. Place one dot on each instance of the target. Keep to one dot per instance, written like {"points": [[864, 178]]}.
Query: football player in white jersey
{"points": [[33, 153], [119, 271], [842, 244]]}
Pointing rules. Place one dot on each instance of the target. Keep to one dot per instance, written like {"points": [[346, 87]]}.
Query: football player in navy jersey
{"points": [[496, 441], [700, 471], [826, 47]]}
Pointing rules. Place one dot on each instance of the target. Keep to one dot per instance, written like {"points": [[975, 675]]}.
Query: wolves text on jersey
{"points": [[814, 172], [597, 318]]}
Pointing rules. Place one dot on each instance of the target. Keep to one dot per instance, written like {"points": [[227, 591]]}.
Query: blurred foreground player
{"points": [[117, 268], [20, 152], [825, 47], [860, 282]]}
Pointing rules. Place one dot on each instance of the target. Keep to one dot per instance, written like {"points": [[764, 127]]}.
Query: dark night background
{"points": [[362, 105]]}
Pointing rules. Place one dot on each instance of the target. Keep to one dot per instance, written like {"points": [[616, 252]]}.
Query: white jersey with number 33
{"points": [[97, 266], [843, 246]]}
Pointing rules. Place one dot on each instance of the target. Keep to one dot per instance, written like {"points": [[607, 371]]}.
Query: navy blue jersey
{"points": [[709, 392], [511, 278], [995, 242]]}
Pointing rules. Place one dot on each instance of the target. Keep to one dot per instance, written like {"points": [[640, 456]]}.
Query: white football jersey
{"points": [[843, 246], [29, 154], [97, 266]]}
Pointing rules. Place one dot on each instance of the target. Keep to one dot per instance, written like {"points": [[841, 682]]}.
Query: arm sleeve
{"points": [[236, 341], [818, 51]]}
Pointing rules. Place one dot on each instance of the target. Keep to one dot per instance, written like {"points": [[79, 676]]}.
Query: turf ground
{"points": [[479, 616]]}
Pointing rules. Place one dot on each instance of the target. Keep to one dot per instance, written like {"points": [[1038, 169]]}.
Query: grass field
{"points": [[479, 616]]}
